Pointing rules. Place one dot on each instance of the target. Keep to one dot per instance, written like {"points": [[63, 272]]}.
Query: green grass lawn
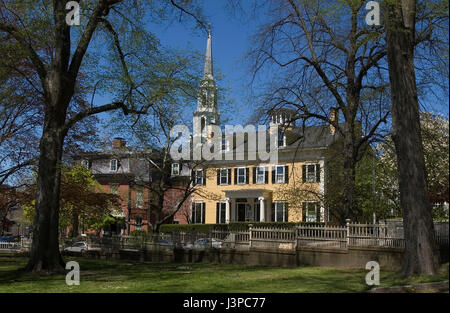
{"points": [[128, 276]]}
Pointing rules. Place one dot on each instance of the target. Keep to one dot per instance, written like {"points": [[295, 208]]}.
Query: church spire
{"points": [[208, 70], [207, 112]]}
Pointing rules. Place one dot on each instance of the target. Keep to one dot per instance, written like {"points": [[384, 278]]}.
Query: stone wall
{"points": [[353, 257]]}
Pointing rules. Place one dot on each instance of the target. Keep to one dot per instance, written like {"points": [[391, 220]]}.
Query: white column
{"points": [[227, 210], [322, 189], [262, 210]]}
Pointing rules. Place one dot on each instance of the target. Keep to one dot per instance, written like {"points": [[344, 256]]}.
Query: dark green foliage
{"points": [[233, 226]]}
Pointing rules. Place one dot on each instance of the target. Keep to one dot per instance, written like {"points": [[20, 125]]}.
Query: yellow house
{"points": [[235, 188], [289, 190]]}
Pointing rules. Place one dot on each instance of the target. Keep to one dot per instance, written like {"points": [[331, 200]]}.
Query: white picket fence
{"points": [[313, 236], [322, 236], [10, 246], [22, 245]]}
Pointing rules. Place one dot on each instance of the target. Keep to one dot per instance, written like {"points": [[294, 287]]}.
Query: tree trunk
{"points": [[349, 181], [421, 255], [45, 255], [75, 225]]}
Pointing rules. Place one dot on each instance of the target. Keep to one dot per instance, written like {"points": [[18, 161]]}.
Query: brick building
{"points": [[130, 175]]}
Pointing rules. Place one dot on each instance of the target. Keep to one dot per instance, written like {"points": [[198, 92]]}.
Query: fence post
{"points": [[250, 227], [347, 222]]}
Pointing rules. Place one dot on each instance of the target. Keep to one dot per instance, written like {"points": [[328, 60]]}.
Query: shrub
{"points": [[233, 226], [188, 228], [140, 233]]}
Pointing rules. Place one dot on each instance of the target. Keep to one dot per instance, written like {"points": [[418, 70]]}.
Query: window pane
{"points": [[175, 169], [279, 210], [197, 213], [311, 213], [199, 177], [260, 175], [139, 197], [280, 174], [114, 189], [223, 176], [311, 173], [222, 212], [241, 175], [280, 139]]}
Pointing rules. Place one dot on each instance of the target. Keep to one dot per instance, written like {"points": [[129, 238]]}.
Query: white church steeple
{"points": [[207, 112]]}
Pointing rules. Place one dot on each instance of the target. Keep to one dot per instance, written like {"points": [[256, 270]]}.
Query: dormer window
{"points": [[113, 164], [282, 117], [86, 164], [175, 169], [281, 141]]}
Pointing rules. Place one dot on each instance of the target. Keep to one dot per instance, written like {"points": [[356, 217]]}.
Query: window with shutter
{"points": [[217, 212], [224, 179], [203, 213], [311, 173], [318, 173], [113, 165], [220, 212], [280, 211], [198, 213], [261, 174], [280, 174], [199, 177], [311, 212], [241, 175], [272, 213]]}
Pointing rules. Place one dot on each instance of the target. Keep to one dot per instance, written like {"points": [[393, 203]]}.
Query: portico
{"points": [[248, 205]]}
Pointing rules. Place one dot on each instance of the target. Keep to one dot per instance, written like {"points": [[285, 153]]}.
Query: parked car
{"points": [[10, 238], [78, 247], [205, 243], [169, 244]]}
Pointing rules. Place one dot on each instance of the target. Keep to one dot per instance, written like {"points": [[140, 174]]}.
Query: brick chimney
{"points": [[119, 143], [334, 116]]}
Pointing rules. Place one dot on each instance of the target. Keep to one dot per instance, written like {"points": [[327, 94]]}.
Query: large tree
{"points": [[57, 70], [323, 59], [421, 254]]}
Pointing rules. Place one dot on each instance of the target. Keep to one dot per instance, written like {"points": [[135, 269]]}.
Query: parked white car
{"points": [[78, 247], [204, 243]]}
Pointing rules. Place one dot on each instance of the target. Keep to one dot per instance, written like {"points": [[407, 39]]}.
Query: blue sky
{"points": [[231, 40]]}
